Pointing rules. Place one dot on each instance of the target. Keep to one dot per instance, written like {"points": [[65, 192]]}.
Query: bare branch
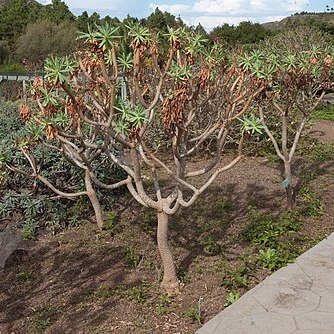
{"points": [[139, 182], [208, 183], [167, 169], [297, 137], [109, 186], [270, 135]]}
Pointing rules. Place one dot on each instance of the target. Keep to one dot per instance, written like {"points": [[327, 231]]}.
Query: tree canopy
{"points": [[17, 17], [44, 38]]}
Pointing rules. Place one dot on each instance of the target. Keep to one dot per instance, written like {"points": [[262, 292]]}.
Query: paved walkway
{"points": [[296, 299]]}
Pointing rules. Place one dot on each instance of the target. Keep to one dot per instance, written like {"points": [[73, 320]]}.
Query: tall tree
{"points": [[195, 91], [245, 33], [82, 21], [44, 38], [300, 69], [58, 11], [224, 33], [14, 17], [160, 21]]}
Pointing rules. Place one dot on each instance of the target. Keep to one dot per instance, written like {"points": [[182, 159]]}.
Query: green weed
{"points": [[79, 208], [324, 113], [265, 231], [139, 294], [110, 225], [222, 207], [308, 175], [102, 292], [24, 276], [183, 276], [310, 205], [231, 298], [13, 67], [162, 304], [29, 230], [193, 313], [269, 258], [208, 225], [222, 264], [42, 317], [132, 257], [236, 278], [320, 152], [199, 269], [274, 259], [148, 216], [41, 324], [148, 220], [212, 247], [148, 264]]}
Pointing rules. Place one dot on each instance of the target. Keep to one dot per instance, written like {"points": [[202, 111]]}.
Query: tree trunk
{"points": [[288, 188], [287, 163], [94, 200], [170, 283]]}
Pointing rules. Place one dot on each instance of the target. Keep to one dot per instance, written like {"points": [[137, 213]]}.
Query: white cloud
{"points": [[211, 13], [258, 5], [178, 8], [45, 2], [296, 5], [216, 6], [210, 22]]}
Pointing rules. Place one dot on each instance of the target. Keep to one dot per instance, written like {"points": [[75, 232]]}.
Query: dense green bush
{"points": [[30, 201]]}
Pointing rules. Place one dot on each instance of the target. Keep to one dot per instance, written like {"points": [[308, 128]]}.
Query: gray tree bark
{"points": [[91, 193], [289, 189], [170, 283]]}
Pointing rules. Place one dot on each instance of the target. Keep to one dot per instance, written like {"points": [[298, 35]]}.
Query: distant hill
{"points": [[3, 2], [322, 20]]}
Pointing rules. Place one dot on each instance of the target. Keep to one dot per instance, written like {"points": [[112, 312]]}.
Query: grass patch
{"points": [[43, 317], [110, 225], [162, 304], [237, 278], [267, 231], [276, 238], [193, 313], [231, 298], [310, 206], [320, 152], [24, 276], [211, 246], [325, 113], [223, 206], [132, 257], [12, 67], [139, 294], [101, 292]]}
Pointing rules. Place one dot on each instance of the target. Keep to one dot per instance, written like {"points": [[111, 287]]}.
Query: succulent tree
{"points": [[109, 95], [297, 66]]}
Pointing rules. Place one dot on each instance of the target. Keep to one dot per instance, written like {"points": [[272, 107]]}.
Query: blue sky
{"points": [[209, 13]]}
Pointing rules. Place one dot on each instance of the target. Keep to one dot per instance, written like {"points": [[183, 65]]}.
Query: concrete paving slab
{"points": [[326, 304], [297, 299], [311, 331], [316, 321]]}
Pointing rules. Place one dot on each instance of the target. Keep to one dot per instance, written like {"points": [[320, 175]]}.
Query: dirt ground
{"points": [[82, 281]]}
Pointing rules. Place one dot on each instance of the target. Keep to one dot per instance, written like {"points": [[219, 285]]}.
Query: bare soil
{"points": [[84, 281]]}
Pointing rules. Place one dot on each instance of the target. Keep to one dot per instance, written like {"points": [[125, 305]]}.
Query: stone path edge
{"points": [[296, 299]]}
